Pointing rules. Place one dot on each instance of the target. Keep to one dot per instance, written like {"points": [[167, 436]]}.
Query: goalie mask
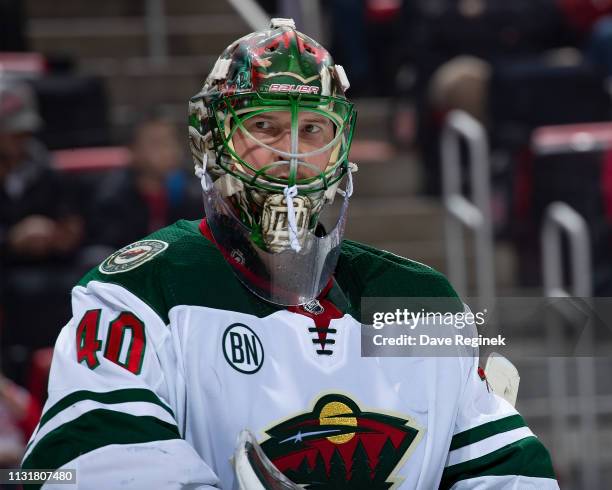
{"points": [[270, 133]]}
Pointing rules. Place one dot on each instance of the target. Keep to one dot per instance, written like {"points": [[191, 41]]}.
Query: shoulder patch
{"points": [[132, 256]]}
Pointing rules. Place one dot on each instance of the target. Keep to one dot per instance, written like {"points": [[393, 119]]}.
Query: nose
{"points": [[282, 171], [283, 144]]}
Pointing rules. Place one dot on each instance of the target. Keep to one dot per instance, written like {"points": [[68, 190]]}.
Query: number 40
{"points": [[88, 344]]}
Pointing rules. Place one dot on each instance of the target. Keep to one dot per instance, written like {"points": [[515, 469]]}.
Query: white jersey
{"points": [[168, 357]]}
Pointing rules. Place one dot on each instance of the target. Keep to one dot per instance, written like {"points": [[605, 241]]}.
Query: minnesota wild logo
{"points": [[338, 446], [132, 256]]}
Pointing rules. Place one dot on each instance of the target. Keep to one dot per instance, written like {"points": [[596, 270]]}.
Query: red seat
{"points": [[90, 159], [23, 63]]}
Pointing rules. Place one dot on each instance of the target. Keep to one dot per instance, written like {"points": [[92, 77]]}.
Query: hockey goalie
{"points": [[250, 319]]}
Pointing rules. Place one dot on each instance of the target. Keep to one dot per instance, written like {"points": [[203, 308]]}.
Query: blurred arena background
{"points": [[484, 145]]}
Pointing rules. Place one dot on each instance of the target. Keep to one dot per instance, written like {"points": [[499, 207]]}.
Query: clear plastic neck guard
{"points": [[293, 276]]}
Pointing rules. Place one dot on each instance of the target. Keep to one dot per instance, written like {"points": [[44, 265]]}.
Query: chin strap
{"points": [[348, 192], [201, 174], [290, 193]]}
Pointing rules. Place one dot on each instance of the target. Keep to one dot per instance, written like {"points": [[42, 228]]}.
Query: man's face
{"points": [[156, 148], [274, 130]]}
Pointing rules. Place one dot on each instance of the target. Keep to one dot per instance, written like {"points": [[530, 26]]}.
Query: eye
{"points": [[312, 128], [263, 124], [257, 124]]}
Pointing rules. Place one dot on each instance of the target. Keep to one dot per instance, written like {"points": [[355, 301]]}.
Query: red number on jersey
{"points": [[87, 343], [126, 321]]}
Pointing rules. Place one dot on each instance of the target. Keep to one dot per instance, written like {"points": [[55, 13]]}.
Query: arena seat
{"points": [[569, 164], [90, 159], [23, 64]]}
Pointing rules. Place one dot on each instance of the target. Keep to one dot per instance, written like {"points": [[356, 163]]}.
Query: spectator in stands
{"points": [[40, 232], [592, 21], [153, 192], [35, 220]]}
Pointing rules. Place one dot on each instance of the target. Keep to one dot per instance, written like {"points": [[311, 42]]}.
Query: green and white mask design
{"points": [[272, 129]]}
